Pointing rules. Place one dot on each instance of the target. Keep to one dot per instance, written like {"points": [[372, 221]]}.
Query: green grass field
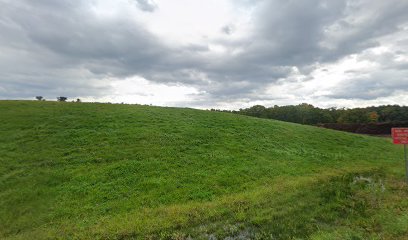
{"points": [[104, 171]]}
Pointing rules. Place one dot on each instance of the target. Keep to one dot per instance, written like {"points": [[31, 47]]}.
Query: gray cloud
{"points": [[64, 48], [288, 32], [373, 87], [385, 80], [61, 48], [147, 5], [227, 29]]}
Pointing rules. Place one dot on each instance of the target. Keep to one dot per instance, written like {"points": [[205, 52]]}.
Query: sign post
{"points": [[406, 160], [400, 136]]}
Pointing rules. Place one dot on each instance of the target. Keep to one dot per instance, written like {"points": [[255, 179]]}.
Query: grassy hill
{"points": [[104, 171]]}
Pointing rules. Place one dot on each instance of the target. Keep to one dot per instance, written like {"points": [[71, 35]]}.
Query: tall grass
{"points": [[104, 171]]}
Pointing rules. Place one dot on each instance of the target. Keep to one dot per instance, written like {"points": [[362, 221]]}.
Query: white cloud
{"points": [[139, 90], [183, 22]]}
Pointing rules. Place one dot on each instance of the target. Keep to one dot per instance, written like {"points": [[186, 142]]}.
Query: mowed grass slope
{"points": [[104, 171]]}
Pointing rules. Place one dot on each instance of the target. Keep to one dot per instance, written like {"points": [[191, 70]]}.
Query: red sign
{"points": [[400, 135]]}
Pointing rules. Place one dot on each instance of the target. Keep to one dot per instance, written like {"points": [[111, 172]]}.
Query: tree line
{"points": [[59, 99], [308, 114]]}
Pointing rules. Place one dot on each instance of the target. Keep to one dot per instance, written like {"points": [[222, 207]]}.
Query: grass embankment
{"points": [[89, 171]]}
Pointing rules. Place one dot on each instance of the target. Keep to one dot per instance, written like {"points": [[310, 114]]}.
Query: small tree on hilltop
{"points": [[62, 99], [78, 100], [39, 98]]}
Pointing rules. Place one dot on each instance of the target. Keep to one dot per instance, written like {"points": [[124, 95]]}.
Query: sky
{"points": [[225, 54]]}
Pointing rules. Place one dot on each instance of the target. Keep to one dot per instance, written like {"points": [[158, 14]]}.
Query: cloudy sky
{"points": [[206, 54]]}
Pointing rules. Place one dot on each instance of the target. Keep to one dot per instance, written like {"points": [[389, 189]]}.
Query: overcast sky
{"points": [[206, 54]]}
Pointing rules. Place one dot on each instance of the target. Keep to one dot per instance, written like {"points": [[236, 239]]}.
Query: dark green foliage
{"points": [[308, 114], [62, 99], [356, 115]]}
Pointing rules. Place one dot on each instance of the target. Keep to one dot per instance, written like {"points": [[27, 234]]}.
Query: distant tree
{"points": [[62, 99], [305, 112], [78, 100], [373, 116], [255, 111], [356, 115], [308, 114], [39, 98], [392, 113]]}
